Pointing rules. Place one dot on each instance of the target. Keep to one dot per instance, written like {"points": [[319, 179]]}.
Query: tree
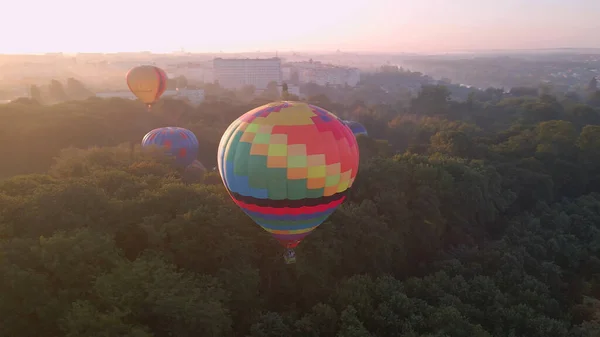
{"points": [[544, 109], [573, 96], [270, 324], [152, 291], [545, 89], [320, 100], [454, 143], [556, 137], [77, 90], [589, 147], [488, 227], [86, 320], [594, 99], [593, 85], [523, 91], [182, 82], [583, 114], [389, 69], [249, 90], [285, 95], [350, 326], [56, 92], [271, 92], [35, 93], [589, 140], [246, 93], [172, 83], [295, 78], [431, 100]]}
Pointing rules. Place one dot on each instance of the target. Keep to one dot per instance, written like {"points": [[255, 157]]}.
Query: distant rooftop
{"points": [[247, 58], [320, 64]]}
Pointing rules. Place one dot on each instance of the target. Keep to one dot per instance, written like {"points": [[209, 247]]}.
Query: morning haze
{"points": [[300, 168], [40, 26]]}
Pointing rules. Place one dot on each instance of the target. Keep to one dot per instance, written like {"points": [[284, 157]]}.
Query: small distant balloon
{"points": [[178, 142], [194, 173], [147, 83], [356, 127]]}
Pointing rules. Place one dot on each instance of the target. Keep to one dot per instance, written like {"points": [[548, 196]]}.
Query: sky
{"points": [[422, 26]]}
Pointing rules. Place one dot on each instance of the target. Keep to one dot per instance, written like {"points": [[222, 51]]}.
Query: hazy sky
{"points": [[36, 26]]}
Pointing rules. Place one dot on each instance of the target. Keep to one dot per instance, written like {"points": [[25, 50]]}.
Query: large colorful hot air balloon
{"points": [[357, 128], [147, 82], [288, 165], [179, 142]]}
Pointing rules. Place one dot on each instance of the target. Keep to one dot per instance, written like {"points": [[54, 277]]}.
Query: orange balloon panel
{"points": [[148, 83]]}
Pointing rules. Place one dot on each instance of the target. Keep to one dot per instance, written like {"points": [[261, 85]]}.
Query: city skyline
{"points": [[361, 25]]}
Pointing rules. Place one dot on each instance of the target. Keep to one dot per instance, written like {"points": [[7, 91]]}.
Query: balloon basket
{"points": [[290, 256]]}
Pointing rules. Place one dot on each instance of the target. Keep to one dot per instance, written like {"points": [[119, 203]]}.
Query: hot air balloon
{"points": [[357, 128], [288, 165], [147, 82], [193, 173], [179, 142]]}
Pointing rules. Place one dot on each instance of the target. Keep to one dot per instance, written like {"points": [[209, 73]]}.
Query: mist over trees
{"points": [[475, 217]]}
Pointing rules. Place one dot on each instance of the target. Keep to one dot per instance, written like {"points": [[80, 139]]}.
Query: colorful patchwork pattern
{"points": [[288, 165], [179, 142]]}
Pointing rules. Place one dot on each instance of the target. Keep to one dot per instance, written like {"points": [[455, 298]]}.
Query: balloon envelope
{"points": [[288, 165], [179, 142], [193, 173], [356, 127], [197, 165], [147, 83]]}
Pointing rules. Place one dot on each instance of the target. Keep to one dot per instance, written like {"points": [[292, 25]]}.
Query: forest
{"points": [[472, 218]]}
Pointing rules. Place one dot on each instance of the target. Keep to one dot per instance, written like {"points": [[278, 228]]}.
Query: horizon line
{"points": [[288, 51]]}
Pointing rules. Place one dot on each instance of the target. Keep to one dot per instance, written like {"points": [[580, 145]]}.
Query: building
{"points": [[237, 73], [286, 73], [325, 74], [292, 90], [194, 72], [193, 96]]}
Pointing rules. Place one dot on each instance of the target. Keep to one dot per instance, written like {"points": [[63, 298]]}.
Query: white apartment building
{"points": [[286, 73], [237, 73]]}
